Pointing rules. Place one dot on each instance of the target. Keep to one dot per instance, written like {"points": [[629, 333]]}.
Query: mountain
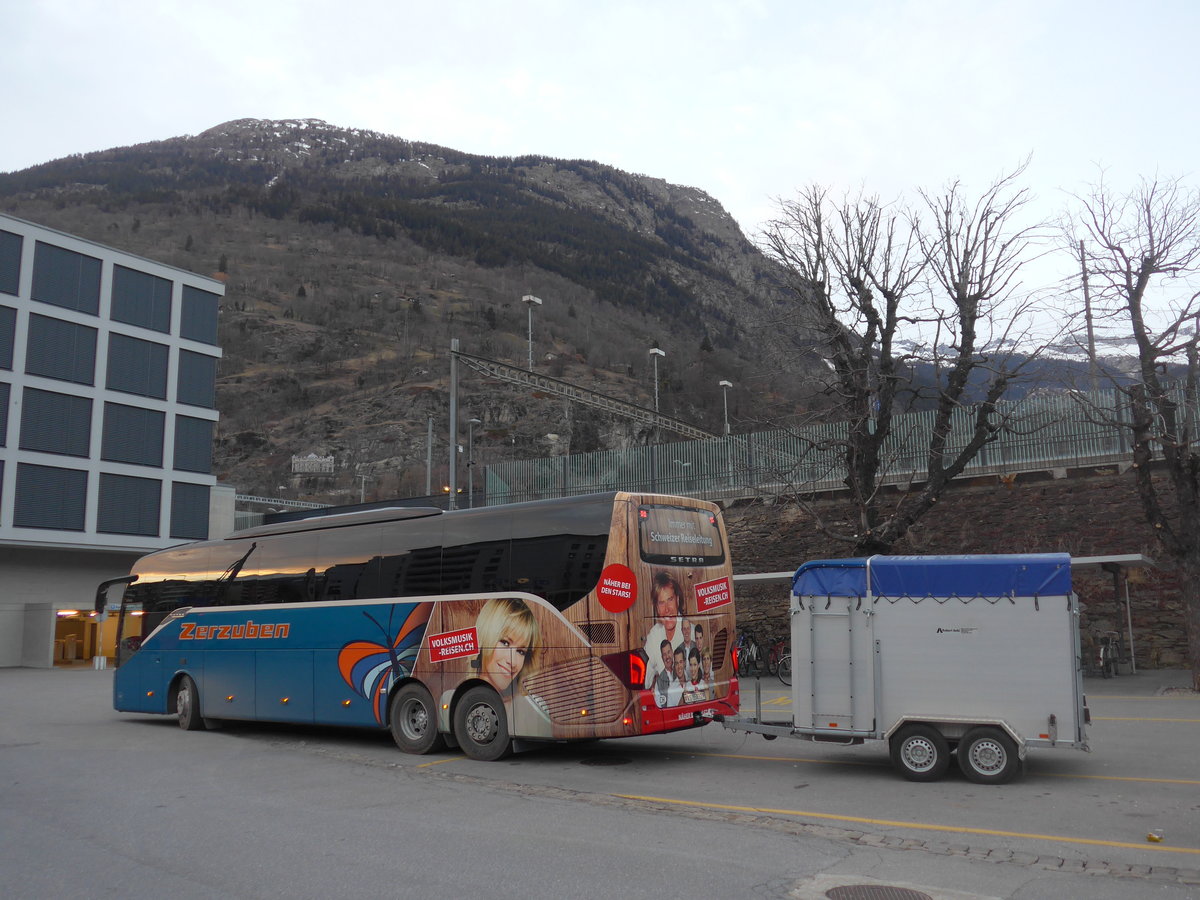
{"points": [[351, 259]]}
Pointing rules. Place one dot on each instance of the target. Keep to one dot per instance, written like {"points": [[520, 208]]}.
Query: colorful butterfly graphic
{"points": [[371, 668]]}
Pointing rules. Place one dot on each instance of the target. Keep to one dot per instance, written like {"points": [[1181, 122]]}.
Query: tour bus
{"points": [[599, 616]]}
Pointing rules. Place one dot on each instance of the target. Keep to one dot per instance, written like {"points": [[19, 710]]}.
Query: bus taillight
{"points": [[629, 667]]}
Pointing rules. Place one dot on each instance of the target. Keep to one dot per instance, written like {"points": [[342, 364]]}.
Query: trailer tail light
{"points": [[629, 667]]}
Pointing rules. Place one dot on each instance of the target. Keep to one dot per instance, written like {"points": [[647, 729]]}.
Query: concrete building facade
{"points": [[108, 367]]}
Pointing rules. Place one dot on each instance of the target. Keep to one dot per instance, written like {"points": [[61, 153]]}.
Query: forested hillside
{"points": [[351, 259]]}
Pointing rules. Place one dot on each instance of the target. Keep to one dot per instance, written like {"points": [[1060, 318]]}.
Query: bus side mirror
{"points": [[102, 590]]}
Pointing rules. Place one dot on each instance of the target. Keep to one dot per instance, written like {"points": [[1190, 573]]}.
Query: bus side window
{"points": [[561, 568]]}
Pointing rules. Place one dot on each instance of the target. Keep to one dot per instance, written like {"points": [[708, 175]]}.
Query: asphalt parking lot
{"points": [[81, 781]]}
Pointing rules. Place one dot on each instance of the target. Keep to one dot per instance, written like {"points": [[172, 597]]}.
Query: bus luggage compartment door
{"points": [[284, 685], [228, 690]]}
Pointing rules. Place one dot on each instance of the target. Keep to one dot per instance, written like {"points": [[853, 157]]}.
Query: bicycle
{"points": [[785, 669], [749, 657], [1110, 652], [777, 651]]}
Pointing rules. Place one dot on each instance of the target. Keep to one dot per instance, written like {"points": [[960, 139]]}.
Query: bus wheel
{"points": [[413, 719], [920, 753], [988, 756], [481, 725], [187, 705]]}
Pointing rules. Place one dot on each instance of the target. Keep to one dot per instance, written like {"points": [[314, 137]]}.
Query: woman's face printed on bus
{"points": [[502, 665]]}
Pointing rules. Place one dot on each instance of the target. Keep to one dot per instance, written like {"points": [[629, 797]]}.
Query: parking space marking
{"points": [[438, 762], [920, 826]]}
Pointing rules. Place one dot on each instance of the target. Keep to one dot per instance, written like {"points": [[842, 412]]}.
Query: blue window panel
{"points": [[197, 379], [193, 444], [66, 278], [55, 423], [8, 333], [128, 505], [189, 511], [62, 350], [198, 318], [50, 497], [132, 435], [139, 298], [10, 262], [136, 366], [5, 392]]}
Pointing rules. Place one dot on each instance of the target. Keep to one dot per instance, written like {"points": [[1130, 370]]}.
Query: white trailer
{"points": [[975, 655]]}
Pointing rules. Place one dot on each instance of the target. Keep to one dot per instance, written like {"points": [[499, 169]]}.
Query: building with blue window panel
{"points": [[108, 367]]}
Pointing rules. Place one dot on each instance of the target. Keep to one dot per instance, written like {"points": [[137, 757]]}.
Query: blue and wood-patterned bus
{"points": [[599, 616]]}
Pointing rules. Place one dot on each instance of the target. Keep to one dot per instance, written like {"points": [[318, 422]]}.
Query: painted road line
{"points": [[1192, 697], [854, 762], [438, 762], [920, 826]]}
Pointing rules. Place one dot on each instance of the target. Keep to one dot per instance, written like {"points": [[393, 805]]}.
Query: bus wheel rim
{"points": [[414, 719], [183, 701], [482, 723]]}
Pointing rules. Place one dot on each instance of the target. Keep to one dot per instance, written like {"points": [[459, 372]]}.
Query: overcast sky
{"points": [[748, 100]]}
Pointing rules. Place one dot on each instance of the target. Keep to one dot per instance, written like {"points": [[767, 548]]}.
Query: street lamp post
{"points": [[531, 301], [655, 353], [725, 386], [471, 423]]}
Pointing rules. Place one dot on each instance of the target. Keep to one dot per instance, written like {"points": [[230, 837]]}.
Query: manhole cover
{"points": [[605, 761], [874, 892]]}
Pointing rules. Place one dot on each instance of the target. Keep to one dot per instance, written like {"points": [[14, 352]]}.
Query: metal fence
{"points": [[1041, 431]]}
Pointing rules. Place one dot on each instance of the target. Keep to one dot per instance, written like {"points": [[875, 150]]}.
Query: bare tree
{"points": [[910, 310], [1142, 255]]}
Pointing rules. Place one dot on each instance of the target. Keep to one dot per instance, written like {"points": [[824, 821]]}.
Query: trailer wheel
{"points": [[920, 753], [988, 755]]}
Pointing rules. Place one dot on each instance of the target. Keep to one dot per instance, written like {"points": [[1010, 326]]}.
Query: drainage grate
{"points": [[605, 761], [874, 892]]}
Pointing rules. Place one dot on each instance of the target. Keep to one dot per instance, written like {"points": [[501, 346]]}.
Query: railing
{"points": [[1042, 431]]}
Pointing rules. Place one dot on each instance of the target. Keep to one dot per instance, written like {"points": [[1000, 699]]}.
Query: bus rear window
{"points": [[679, 536]]}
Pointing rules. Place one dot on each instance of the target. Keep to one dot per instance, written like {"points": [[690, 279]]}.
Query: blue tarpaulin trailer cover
{"points": [[999, 575]]}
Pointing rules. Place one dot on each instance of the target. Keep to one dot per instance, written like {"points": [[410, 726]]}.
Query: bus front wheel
{"points": [[413, 720], [187, 705], [481, 725]]}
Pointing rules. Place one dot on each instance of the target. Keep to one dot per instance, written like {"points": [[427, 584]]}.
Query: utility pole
{"points": [[429, 458], [452, 502], [531, 301]]}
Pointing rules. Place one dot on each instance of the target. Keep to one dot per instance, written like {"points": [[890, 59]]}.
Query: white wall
{"points": [[40, 581]]}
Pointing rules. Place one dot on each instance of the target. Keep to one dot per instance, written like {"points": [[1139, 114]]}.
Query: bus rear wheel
{"points": [[413, 719], [481, 725], [187, 705]]}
